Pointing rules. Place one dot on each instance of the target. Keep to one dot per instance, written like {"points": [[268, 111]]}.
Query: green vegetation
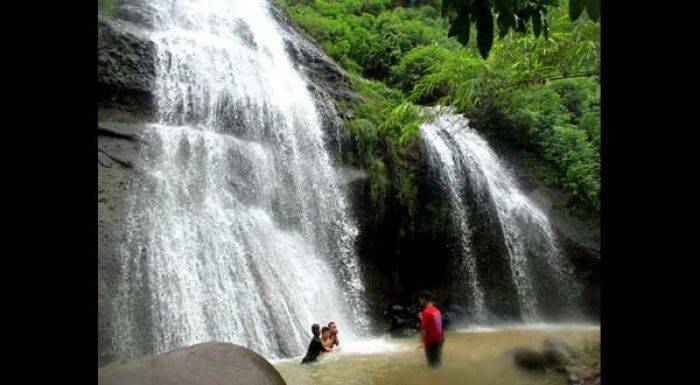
{"points": [[106, 7], [385, 127], [516, 15], [538, 93]]}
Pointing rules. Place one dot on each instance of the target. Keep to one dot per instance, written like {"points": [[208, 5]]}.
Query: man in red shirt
{"points": [[431, 334]]}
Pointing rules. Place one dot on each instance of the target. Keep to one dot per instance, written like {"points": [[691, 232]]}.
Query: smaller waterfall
{"points": [[464, 160]]}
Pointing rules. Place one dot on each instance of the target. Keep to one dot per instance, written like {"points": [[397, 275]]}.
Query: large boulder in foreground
{"points": [[210, 363], [581, 368]]}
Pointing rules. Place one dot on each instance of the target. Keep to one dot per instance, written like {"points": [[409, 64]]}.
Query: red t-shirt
{"points": [[431, 323]]}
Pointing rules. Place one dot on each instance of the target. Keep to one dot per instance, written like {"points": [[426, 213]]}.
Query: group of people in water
{"points": [[325, 339]]}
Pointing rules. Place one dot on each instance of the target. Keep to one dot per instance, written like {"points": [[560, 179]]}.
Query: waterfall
{"points": [[463, 160], [238, 229]]}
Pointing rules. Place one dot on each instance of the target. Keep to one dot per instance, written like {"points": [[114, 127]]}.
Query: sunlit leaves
{"points": [[403, 122], [416, 58]]}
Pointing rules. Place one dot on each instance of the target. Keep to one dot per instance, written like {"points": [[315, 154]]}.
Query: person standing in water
{"points": [[334, 333], [431, 336], [315, 346]]}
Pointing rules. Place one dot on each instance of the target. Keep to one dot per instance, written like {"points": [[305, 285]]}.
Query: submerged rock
{"points": [[556, 352], [209, 363], [403, 319], [529, 358], [558, 356]]}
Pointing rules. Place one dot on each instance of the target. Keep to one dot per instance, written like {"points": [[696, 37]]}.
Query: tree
{"points": [[509, 14]]}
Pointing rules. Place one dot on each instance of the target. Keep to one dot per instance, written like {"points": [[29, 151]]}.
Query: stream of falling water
{"points": [[461, 157], [238, 229]]}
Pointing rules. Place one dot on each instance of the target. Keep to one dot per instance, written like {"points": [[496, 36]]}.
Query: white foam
{"points": [[379, 345], [477, 329], [528, 326], [373, 346]]}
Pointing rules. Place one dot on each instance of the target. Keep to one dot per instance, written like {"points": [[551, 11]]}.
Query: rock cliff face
{"points": [[125, 72], [125, 76]]}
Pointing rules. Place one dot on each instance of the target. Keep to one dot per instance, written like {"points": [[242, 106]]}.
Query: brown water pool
{"points": [[472, 357]]}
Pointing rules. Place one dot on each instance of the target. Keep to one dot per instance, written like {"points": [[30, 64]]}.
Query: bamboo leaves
{"points": [[509, 14]]}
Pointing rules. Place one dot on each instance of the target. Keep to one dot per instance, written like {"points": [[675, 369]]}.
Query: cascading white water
{"points": [[238, 229], [461, 157]]}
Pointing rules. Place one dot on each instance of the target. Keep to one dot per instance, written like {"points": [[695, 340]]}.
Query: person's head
{"points": [[424, 297], [325, 332], [316, 329], [333, 327]]}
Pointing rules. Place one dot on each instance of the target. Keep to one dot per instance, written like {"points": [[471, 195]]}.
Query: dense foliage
{"points": [[541, 94], [516, 15]]}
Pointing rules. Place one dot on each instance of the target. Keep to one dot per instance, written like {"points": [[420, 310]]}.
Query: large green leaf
{"points": [[511, 14], [576, 8], [593, 9], [537, 24], [505, 21], [484, 31], [460, 27]]}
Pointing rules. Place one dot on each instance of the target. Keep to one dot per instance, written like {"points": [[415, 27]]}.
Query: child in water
{"points": [[326, 338], [315, 346], [321, 342]]}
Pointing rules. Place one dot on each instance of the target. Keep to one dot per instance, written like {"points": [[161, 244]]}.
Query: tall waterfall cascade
{"points": [[238, 228], [462, 160]]}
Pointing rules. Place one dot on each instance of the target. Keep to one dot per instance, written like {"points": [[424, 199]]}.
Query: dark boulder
{"points": [[556, 352], [529, 358], [556, 355], [403, 319], [209, 363]]}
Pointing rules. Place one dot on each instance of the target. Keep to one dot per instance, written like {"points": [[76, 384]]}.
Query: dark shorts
{"points": [[434, 354]]}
